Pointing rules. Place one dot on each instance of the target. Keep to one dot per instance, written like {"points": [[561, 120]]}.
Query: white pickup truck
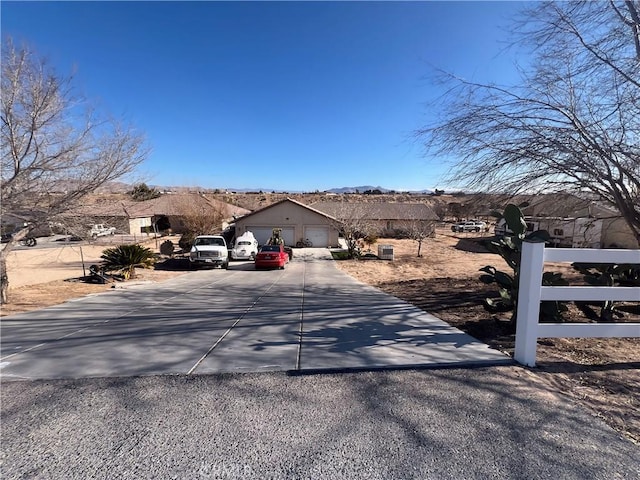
{"points": [[101, 230], [209, 250]]}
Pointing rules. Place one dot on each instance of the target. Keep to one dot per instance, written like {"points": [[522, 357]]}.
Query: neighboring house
{"points": [[167, 212], [575, 222], [297, 221], [161, 214], [387, 219]]}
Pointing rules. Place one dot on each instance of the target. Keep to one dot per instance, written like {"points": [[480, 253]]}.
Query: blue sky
{"points": [[296, 96]]}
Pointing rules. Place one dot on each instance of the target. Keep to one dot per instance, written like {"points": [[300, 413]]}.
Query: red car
{"points": [[271, 256]]}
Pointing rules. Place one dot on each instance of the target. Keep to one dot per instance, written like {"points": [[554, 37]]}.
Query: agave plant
{"points": [[125, 259]]}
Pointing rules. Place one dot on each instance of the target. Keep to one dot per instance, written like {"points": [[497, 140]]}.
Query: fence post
{"points": [[528, 312]]}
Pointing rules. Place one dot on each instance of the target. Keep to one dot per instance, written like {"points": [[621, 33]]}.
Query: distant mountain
{"points": [[365, 188]]}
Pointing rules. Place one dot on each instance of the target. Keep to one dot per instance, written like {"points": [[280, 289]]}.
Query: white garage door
{"points": [[319, 236], [263, 234]]}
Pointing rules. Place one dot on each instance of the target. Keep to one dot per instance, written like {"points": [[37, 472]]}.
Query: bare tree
{"points": [[419, 230], [199, 215], [55, 148], [355, 221], [573, 122]]}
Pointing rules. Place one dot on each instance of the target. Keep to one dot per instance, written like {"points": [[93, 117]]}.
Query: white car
{"points": [[245, 248], [470, 226]]}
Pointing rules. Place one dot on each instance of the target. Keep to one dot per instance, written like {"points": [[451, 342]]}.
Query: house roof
{"points": [[169, 205], [564, 205], [290, 200], [174, 205], [378, 211]]}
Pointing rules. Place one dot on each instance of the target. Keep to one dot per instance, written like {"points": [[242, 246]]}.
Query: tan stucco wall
{"points": [[616, 232], [137, 224], [288, 215]]}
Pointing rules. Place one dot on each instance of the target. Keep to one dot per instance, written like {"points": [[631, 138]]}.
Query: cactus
{"points": [[509, 247], [601, 274]]}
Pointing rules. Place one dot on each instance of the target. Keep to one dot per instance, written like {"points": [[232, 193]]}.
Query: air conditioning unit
{"points": [[385, 252]]}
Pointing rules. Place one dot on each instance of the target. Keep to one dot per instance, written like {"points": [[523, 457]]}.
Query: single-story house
{"points": [[578, 222], [387, 219], [297, 221], [161, 214], [167, 212]]}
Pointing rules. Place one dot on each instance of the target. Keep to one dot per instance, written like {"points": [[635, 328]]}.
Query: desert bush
{"points": [[167, 248], [186, 241], [125, 258], [370, 240]]}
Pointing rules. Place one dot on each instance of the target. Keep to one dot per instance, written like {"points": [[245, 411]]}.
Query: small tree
{"points": [[199, 215], [419, 230], [55, 148], [355, 221], [142, 192]]}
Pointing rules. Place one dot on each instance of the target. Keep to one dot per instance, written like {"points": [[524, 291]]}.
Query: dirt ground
{"points": [[601, 374]]}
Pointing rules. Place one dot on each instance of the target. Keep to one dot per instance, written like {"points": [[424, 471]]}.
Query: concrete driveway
{"points": [[307, 317]]}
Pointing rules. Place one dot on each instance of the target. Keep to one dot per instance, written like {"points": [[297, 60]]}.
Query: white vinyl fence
{"points": [[531, 293]]}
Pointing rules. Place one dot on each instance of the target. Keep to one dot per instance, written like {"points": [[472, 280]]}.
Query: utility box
{"points": [[385, 252]]}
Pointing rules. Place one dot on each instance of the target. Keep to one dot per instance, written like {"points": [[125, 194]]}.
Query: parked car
{"points": [[469, 226], [246, 247], [101, 230], [209, 250], [271, 256]]}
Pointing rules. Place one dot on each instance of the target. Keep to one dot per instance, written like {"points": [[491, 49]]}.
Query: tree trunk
{"points": [[4, 279]]}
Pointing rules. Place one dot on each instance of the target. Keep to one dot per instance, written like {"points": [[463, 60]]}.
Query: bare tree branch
{"points": [[571, 125], [55, 149]]}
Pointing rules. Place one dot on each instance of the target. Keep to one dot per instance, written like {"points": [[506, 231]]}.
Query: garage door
{"points": [[319, 236], [263, 234]]}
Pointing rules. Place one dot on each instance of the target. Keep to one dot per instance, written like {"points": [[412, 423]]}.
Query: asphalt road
{"points": [[413, 424]]}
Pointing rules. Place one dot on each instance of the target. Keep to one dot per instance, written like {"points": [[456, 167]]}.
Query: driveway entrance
{"points": [[307, 317]]}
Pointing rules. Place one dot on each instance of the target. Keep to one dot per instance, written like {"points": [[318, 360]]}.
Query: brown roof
{"points": [[324, 214], [168, 204], [174, 205], [378, 211]]}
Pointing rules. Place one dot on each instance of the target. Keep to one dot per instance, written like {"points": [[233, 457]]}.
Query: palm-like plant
{"points": [[125, 259]]}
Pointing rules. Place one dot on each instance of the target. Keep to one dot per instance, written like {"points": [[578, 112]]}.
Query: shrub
{"points": [[167, 248], [125, 259], [186, 241], [340, 255]]}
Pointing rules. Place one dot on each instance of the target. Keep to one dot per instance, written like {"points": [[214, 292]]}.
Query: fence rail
{"points": [[531, 293]]}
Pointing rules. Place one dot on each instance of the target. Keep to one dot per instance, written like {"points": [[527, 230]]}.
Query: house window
{"points": [[389, 225], [558, 232]]}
